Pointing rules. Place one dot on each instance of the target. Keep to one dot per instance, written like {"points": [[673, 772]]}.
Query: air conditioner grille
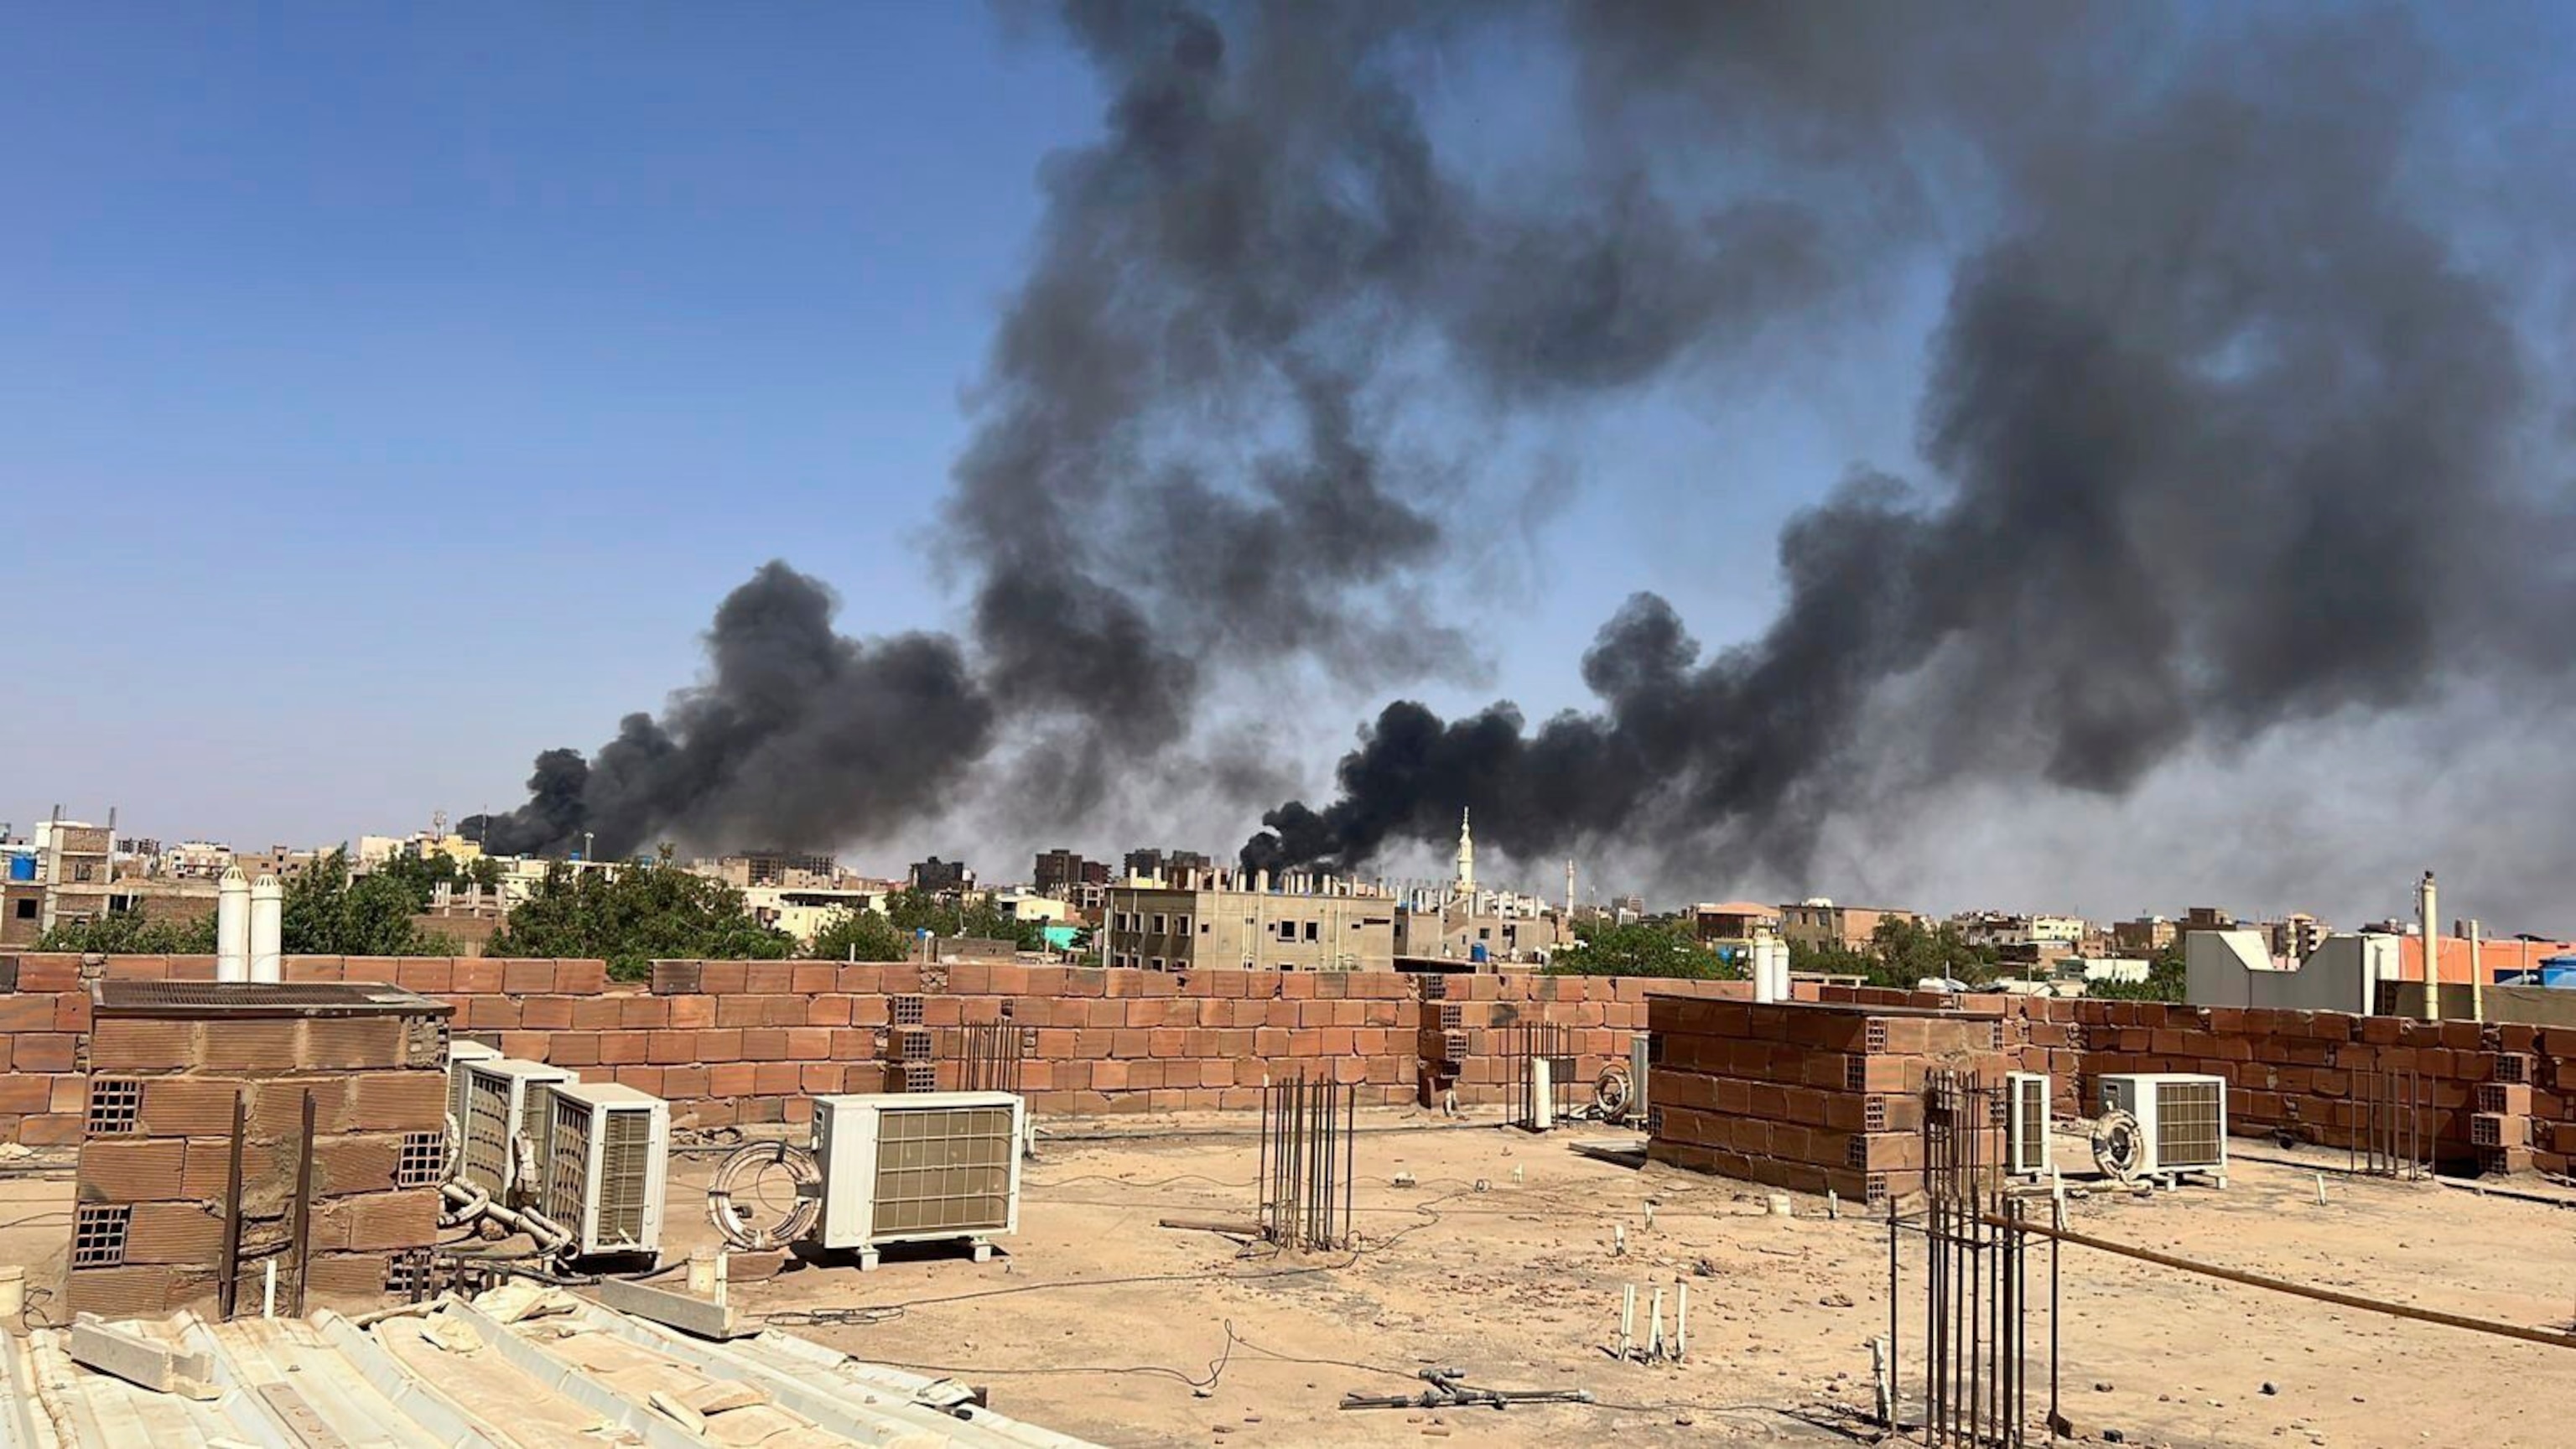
{"points": [[625, 1156], [568, 1162], [2188, 1123], [487, 1125], [2032, 1127], [944, 1168]]}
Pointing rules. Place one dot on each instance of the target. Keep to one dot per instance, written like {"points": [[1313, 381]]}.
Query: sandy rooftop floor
{"points": [[1518, 1283]]}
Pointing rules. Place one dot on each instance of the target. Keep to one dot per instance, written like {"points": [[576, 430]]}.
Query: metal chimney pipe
{"points": [[232, 926], [267, 929], [2477, 976], [2428, 911]]}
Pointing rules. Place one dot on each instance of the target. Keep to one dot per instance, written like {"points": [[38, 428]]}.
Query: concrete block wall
{"points": [[749, 1042], [156, 1152], [1809, 1096]]}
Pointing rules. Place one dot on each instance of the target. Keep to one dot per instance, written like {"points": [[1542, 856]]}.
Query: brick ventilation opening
{"points": [[1007, 1004], [920, 1076], [1654, 1121], [1856, 1071], [2491, 1097], [2513, 1069], [1873, 1114], [98, 1235], [1452, 1016], [115, 1106], [1435, 988], [1873, 1189], [408, 1275], [1856, 1152], [1876, 1036], [1999, 1036], [907, 1011], [913, 1045], [2485, 1131], [423, 1159]]}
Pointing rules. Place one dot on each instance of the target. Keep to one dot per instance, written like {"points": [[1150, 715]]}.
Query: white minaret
{"points": [[1466, 857]]}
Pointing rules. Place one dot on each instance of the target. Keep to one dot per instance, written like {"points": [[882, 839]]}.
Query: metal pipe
{"points": [[303, 1241], [2428, 910], [2547, 1337], [228, 1293]]}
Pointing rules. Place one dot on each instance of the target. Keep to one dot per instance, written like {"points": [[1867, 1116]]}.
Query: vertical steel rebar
{"points": [[303, 1211], [229, 1292]]}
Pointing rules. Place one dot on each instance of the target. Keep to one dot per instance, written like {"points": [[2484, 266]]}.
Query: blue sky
{"points": [[391, 392]]}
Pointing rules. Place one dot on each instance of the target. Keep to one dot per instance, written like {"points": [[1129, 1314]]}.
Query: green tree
{"points": [[127, 933], [635, 916], [1642, 948], [422, 874], [1907, 951], [912, 910], [2165, 980], [861, 936], [327, 913]]}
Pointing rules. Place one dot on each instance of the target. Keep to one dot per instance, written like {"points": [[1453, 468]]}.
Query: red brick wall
{"points": [[749, 1042]]}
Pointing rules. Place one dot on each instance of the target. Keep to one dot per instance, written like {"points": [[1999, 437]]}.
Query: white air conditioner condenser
{"points": [[2026, 1123], [918, 1167], [460, 1052], [604, 1166], [501, 1101], [2181, 1116]]}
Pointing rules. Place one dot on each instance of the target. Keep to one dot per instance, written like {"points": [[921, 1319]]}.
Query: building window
{"points": [[27, 909], [1154, 963], [80, 870], [1162, 924], [1310, 930], [1180, 925]]}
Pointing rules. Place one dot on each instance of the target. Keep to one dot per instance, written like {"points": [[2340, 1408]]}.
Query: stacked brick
{"points": [[155, 1159], [1809, 1097], [2305, 1075], [1467, 1024]]}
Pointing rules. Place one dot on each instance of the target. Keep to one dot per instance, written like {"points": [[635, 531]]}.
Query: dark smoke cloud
{"points": [[2209, 400], [2223, 425], [797, 737]]}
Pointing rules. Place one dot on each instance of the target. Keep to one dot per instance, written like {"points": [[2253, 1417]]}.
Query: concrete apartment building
{"points": [[2144, 936], [1817, 921], [1306, 923]]}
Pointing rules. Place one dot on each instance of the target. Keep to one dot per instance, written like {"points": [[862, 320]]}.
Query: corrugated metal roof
{"points": [[455, 1375]]}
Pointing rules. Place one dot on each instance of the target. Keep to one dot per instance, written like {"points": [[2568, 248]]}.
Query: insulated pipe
{"points": [[267, 928], [548, 1235], [2477, 977], [232, 926], [2428, 911]]}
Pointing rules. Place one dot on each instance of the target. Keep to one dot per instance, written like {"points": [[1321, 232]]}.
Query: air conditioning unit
{"points": [[606, 1157], [460, 1052], [2026, 1123], [918, 1166], [1640, 1056], [502, 1097], [2181, 1117]]}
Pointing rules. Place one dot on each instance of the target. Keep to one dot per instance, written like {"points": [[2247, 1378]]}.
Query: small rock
{"points": [[1836, 1300], [2101, 1386], [2270, 1387], [2114, 1436]]}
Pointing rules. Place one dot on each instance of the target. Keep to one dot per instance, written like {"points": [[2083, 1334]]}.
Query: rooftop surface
{"points": [[1098, 1322]]}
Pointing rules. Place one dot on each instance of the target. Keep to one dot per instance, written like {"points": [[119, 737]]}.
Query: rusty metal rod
{"points": [[2548, 1337], [230, 1291], [303, 1210]]}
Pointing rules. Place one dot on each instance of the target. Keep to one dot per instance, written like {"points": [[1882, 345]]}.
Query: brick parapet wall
{"points": [[732, 1042]]}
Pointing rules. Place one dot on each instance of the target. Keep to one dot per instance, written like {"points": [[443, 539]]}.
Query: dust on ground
{"points": [[1518, 1283]]}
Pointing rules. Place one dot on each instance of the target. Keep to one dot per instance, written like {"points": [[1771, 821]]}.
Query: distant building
{"points": [[783, 869], [2144, 936], [936, 877], [2296, 935], [1146, 863], [278, 860], [1817, 921], [1211, 919], [1061, 873], [1729, 924]]}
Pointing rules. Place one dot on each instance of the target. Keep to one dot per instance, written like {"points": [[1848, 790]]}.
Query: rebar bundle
{"points": [[1306, 1163], [1975, 1377]]}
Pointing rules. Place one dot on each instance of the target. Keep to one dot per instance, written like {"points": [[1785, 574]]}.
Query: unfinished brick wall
{"points": [[2300, 1074], [156, 1153], [1808, 1096], [1467, 1024], [750, 1042]]}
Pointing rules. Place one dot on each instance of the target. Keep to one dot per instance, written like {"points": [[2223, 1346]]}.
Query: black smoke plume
{"points": [[2216, 388], [2225, 434], [797, 737]]}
